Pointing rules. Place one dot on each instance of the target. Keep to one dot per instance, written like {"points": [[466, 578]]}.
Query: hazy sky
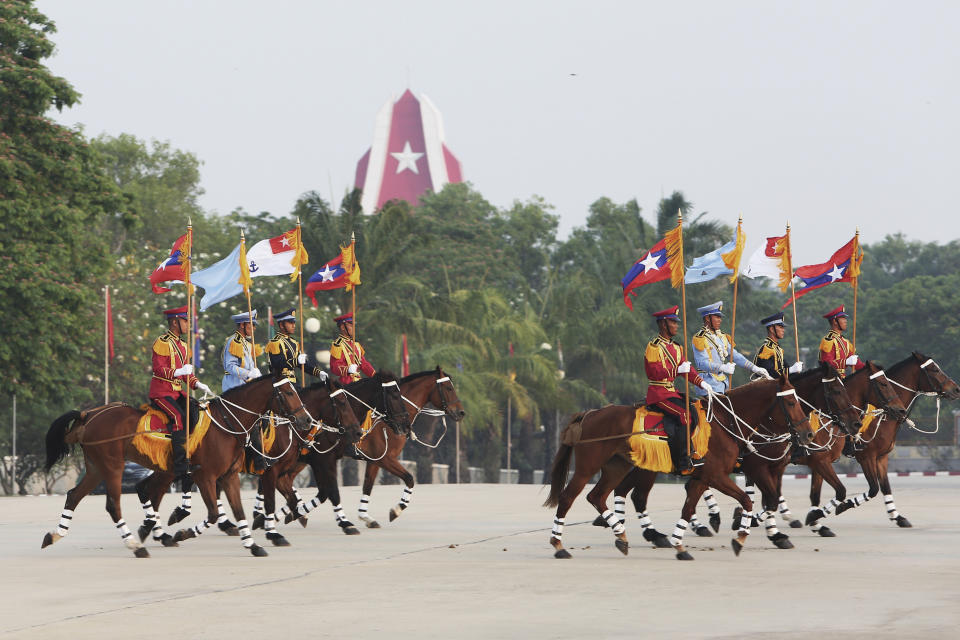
{"points": [[829, 115]]}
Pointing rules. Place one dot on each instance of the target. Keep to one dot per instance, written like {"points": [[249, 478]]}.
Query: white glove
{"points": [[796, 367], [253, 374], [352, 369], [763, 373], [302, 358], [706, 387], [204, 388], [684, 367], [852, 361], [728, 368], [185, 370], [323, 376]]}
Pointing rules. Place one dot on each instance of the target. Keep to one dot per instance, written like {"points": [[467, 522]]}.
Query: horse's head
{"points": [[444, 396], [338, 412], [286, 402], [392, 404], [788, 404], [932, 378], [880, 392]]}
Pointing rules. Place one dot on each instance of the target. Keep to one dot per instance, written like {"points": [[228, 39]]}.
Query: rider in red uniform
{"points": [[835, 350], [664, 362], [347, 357]]}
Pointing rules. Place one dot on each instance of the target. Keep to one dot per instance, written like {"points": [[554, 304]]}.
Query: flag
{"points": [[350, 265], [174, 268], [843, 266], [710, 265], [651, 267], [771, 259], [405, 364], [109, 325], [331, 276], [220, 280], [732, 258], [244, 280], [673, 240], [277, 256]]}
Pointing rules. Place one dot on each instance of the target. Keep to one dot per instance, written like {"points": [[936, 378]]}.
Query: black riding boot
{"points": [[179, 441], [255, 449], [676, 439]]}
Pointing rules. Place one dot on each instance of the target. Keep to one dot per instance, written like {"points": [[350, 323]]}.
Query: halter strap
{"points": [[280, 382], [389, 384], [786, 393], [927, 363], [877, 374], [336, 393], [447, 379]]}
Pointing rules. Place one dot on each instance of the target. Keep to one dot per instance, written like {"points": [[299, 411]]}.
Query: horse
{"points": [[325, 400], [381, 397], [915, 376], [381, 447], [771, 405], [106, 436]]}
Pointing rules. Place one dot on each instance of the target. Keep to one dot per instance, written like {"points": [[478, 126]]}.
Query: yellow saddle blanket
{"points": [[154, 442], [648, 446]]}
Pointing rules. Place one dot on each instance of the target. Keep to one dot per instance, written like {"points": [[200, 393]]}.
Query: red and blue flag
{"points": [[652, 267], [843, 266], [331, 276], [175, 267]]}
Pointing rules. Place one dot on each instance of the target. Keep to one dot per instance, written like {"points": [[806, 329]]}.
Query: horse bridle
{"points": [[830, 392], [391, 418], [444, 403], [781, 403], [885, 401], [936, 386], [281, 399]]}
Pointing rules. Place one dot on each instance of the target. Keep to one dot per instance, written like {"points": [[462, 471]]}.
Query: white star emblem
{"points": [[285, 242], [650, 263], [836, 274], [407, 159], [327, 274]]}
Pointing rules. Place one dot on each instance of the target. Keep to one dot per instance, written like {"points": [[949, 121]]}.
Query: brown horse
{"points": [[772, 406], [915, 376], [381, 447], [106, 436]]}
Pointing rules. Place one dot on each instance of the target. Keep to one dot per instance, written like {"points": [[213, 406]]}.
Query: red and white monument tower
{"points": [[408, 155]]}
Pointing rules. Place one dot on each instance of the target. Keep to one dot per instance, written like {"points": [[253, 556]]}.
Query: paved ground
{"points": [[499, 578]]}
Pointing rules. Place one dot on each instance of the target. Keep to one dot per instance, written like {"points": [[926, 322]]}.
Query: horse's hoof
{"points": [[844, 506], [703, 532], [258, 551], [796, 524], [659, 540], [303, 521], [684, 555], [903, 523], [600, 522], [141, 552], [144, 530], [184, 534], [781, 541], [715, 522], [825, 532], [562, 554], [278, 540], [623, 546], [167, 540], [177, 515], [736, 519], [228, 528], [373, 524], [348, 528], [258, 520], [812, 516], [47, 541], [395, 513], [737, 547]]}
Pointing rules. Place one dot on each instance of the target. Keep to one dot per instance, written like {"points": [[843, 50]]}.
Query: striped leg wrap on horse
{"points": [[676, 538], [619, 507], [405, 497], [860, 499], [245, 538], [891, 508], [694, 523], [771, 522], [270, 523], [258, 504], [66, 516], [201, 527], [364, 506], [830, 506], [613, 521], [751, 492], [150, 515], [185, 500], [222, 514], [303, 508], [338, 513], [711, 502], [644, 518], [558, 528], [785, 509], [745, 520]]}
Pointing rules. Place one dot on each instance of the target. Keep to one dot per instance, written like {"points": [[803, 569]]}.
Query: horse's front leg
{"points": [[150, 490], [612, 473], [722, 483], [89, 481], [884, 481], [821, 468], [770, 493], [391, 464], [695, 488], [112, 480], [268, 486], [231, 489]]}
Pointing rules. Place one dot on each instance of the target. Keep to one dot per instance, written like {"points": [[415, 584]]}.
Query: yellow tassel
{"points": [[814, 422], [868, 418], [646, 450], [783, 250], [156, 445], [673, 240], [701, 435], [367, 425], [732, 259]]}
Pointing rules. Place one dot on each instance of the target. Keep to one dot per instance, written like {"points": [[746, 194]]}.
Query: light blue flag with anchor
{"points": [[219, 281], [710, 265]]}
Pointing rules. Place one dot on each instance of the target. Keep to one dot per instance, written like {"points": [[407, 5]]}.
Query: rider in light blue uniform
{"points": [[238, 364], [712, 350]]}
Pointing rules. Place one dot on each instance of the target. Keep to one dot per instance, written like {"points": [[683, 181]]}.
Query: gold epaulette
{"points": [[653, 353], [161, 346], [699, 341], [235, 348], [273, 347], [766, 352], [259, 351]]}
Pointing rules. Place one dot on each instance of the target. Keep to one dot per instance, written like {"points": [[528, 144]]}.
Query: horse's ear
{"points": [[439, 370]]}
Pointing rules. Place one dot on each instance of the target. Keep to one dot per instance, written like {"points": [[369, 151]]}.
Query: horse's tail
{"points": [[561, 462], [57, 446]]}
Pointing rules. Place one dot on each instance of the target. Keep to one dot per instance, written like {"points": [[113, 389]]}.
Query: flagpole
{"points": [[303, 367], [736, 282], [686, 351], [856, 280], [793, 295], [246, 289], [190, 306], [106, 344], [353, 288]]}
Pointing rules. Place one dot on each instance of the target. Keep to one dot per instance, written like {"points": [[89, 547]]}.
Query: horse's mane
{"points": [[237, 390], [750, 386], [419, 374], [361, 385], [895, 369], [328, 385]]}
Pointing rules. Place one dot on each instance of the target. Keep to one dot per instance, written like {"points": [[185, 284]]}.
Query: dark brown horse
{"points": [[756, 411], [106, 436], [915, 376]]}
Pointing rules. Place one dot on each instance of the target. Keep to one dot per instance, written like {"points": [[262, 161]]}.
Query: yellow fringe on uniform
{"points": [[156, 445], [868, 418], [647, 450], [367, 424]]}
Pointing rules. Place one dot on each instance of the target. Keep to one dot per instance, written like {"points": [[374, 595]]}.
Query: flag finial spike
{"points": [[189, 223], [353, 236], [298, 221], [740, 219], [241, 233]]}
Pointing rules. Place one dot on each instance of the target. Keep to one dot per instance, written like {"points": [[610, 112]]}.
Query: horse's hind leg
{"points": [[642, 486], [363, 512], [821, 469], [722, 483], [393, 465], [150, 490], [695, 488], [113, 481], [567, 496], [612, 472], [884, 481], [713, 508], [87, 483], [620, 498], [223, 522]]}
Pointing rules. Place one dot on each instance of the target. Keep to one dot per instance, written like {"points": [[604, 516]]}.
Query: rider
{"points": [[240, 366], [347, 357], [285, 355], [835, 350], [712, 347], [663, 362], [170, 371], [770, 354]]}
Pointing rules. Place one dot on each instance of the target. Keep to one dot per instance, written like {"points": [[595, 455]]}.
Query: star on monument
{"points": [[836, 274], [407, 159], [650, 263]]}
